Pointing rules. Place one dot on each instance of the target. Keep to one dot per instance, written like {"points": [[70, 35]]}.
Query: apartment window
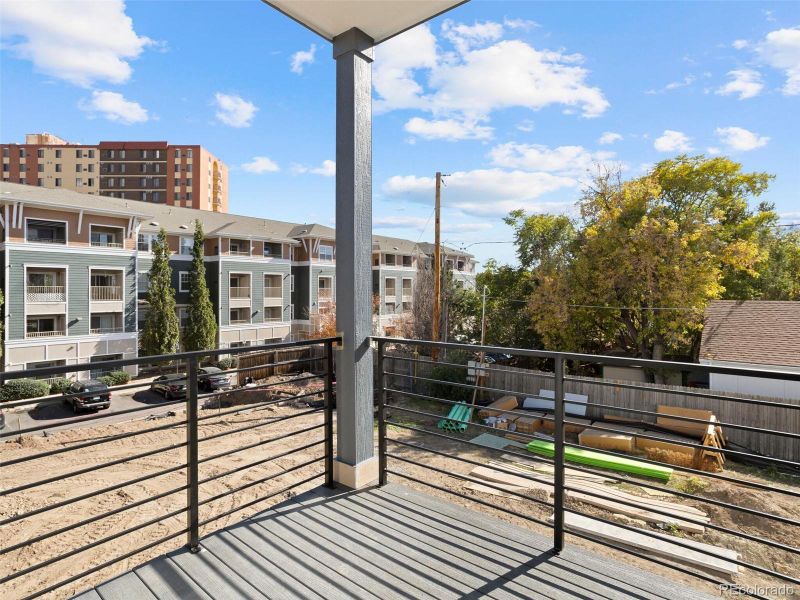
{"points": [[143, 196], [106, 323], [239, 247], [157, 153], [123, 167], [178, 196], [291, 283], [143, 154], [77, 153], [177, 152], [58, 182], [109, 154], [78, 168], [145, 241], [40, 182], [103, 371], [407, 287], [273, 286], [239, 285], [106, 237], [189, 167], [78, 182], [183, 316], [189, 154], [390, 260], [157, 182], [122, 153], [156, 196], [189, 182], [407, 261], [90, 167], [40, 153], [143, 282], [275, 250], [177, 169], [460, 265], [122, 182], [58, 167], [183, 281], [186, 245], [6, 167], [273, 313], [143, 182], [40, 168], [325, 252], [5, 152], [110, 182], [188, 195], [46, 232], [391, 308], [23, 168], [91, 155], [45, 364], [90, 182], [22, 152], [44, 326], [406, 307], [390, 287], [240, 315]]}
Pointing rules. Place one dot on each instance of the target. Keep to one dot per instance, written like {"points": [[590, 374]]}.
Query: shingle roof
{"points": [[383, 243], [427, 248], [752, 331]]}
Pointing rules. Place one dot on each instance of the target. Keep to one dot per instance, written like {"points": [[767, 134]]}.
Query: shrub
{"points": [[107, 379], [454, 374], [60, 385], [119, 377], [226, 363], [19, 389]]}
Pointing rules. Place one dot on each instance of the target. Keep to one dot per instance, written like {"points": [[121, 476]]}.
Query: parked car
{"points": [[211, 379], [88, 394], [170, 386]]}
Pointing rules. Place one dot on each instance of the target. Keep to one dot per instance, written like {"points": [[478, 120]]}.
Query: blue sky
{"points": [[515, 100]]}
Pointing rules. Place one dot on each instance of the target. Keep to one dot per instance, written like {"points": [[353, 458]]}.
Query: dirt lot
{"points": [[37, 497]]}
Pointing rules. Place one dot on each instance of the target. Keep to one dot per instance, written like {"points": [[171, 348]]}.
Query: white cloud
{"points": [[574, 160], [674, 85], [301, 58], [234, 110], [474, 81], [326, 169], [745, 82], [448, 129], [713, 150], [78, 41], [114, 107], [261, 164], [609, 137], [524, 24], [672, 141], [483, 192], [465, 227], [526, 125], [780, 49], [738, 138], [403, 222], [464, 37], [740, 44]]}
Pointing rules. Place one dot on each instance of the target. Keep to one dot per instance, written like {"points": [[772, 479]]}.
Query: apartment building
{"points": [[76, 274], [158, 172]]}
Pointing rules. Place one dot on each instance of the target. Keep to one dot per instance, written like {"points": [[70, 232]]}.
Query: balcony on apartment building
{"points": [[45, 326], [106, 286], [239, 247], [41, 231], [240, 290], [102, 236], [273, 290], [240, 316], [104, 323]]}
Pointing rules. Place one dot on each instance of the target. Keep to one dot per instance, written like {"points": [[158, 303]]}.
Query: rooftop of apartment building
{"points": [[180, 220]]}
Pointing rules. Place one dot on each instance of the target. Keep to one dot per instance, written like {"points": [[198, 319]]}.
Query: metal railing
{"points": [[397, 405], [106, 292], [28, 578], [45, 293]]}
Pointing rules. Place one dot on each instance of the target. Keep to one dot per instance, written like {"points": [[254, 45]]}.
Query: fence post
{"points": [[381, 418], [192, 476], [558, 448], [329, 415]]}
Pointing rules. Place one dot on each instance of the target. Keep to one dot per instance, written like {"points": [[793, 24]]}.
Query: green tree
{"points": [[508, 321], [201, 325], [161, 330]]}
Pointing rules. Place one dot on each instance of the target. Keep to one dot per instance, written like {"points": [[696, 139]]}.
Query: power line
{"points": [[604, 307]]}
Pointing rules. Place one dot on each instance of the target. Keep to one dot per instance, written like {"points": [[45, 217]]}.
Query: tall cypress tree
{"points": [[161, 327], [201, 325]]}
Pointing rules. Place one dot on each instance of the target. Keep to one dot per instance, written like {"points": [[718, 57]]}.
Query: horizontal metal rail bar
{"points": [[258, 405], [720, 528], [87, 444], [106, 564], [164, 358], [260, 386], [603, 359], [679, 542], [471, 498], [112, 463], [281, 363], [248, 427], [83, 523], [611, 430], [88, 418], [260, 499], [745, 482], [259, 443], [485, 368], [259, 462], [468, 386], [490, 484], [259, 481], [94, 544]]}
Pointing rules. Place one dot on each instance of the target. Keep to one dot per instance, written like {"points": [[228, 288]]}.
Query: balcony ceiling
{"points": [[379, 19]]}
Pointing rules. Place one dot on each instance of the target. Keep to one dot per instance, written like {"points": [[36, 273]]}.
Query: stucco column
{"points": [[356, 464]]}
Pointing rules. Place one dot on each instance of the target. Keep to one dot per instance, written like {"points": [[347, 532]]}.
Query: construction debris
{"points": [[504, 403]]}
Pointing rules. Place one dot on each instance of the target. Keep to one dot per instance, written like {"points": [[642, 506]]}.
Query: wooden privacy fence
{"points": [[526, 382], [260, 365]]}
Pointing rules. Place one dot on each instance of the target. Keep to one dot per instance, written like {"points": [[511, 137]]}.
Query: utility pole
{"points": [[483, 317], [437, 266]]}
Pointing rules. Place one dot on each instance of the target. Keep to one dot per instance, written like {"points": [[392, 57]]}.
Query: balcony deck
{"points": [[390, 542]]}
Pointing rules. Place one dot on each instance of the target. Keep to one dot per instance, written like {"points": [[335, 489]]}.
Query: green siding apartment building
{"points": [[76, 272]]}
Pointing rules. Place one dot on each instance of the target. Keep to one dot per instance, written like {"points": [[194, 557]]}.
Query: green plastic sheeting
{"points": [[460, 412], [605, 461]]}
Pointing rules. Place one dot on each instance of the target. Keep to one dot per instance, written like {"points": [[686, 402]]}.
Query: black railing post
{"points": [[558, 449], [192, 474], [329, 415], [381, 418]]}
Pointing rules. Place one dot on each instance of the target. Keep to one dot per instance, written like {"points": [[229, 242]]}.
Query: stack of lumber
{"points": [[709, 434], [607, 440], [660, 545], [575, 425], [501, 404]]}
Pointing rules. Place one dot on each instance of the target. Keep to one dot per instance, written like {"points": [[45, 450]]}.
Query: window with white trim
{"points": [[325, 252], [186, 246], [183, 281]]}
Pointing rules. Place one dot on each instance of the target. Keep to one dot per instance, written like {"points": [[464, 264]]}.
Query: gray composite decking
{"points": [[390, 542]]}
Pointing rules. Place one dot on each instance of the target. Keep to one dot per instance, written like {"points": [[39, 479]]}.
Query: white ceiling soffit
{"points": [[379, 19]]}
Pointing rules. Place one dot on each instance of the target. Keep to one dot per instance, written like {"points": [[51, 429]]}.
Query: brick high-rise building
{"points": [[177, 175]]}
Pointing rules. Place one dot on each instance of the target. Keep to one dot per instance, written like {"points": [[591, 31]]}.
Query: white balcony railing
{"points": [[44, 334], [106, 292], [273, 291], [102, 330], [239, 252], [325, 293], [239, 321], [240, 292], [45, 293], [104, 244]]}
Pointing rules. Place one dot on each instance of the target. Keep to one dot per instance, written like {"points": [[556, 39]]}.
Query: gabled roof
{"points": [[759, 332], [428, 248], [392, 245], [313, 230]]}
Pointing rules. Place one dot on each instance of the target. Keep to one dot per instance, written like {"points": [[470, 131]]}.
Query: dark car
{"points": [[170, 386], [88, 394], [210, 379]]}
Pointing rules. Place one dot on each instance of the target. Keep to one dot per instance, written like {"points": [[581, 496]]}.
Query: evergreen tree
{"points": [[201, 325], [161, 328]]}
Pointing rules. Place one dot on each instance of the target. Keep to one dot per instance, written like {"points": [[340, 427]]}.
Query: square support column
{"points": [[356, 463]]}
